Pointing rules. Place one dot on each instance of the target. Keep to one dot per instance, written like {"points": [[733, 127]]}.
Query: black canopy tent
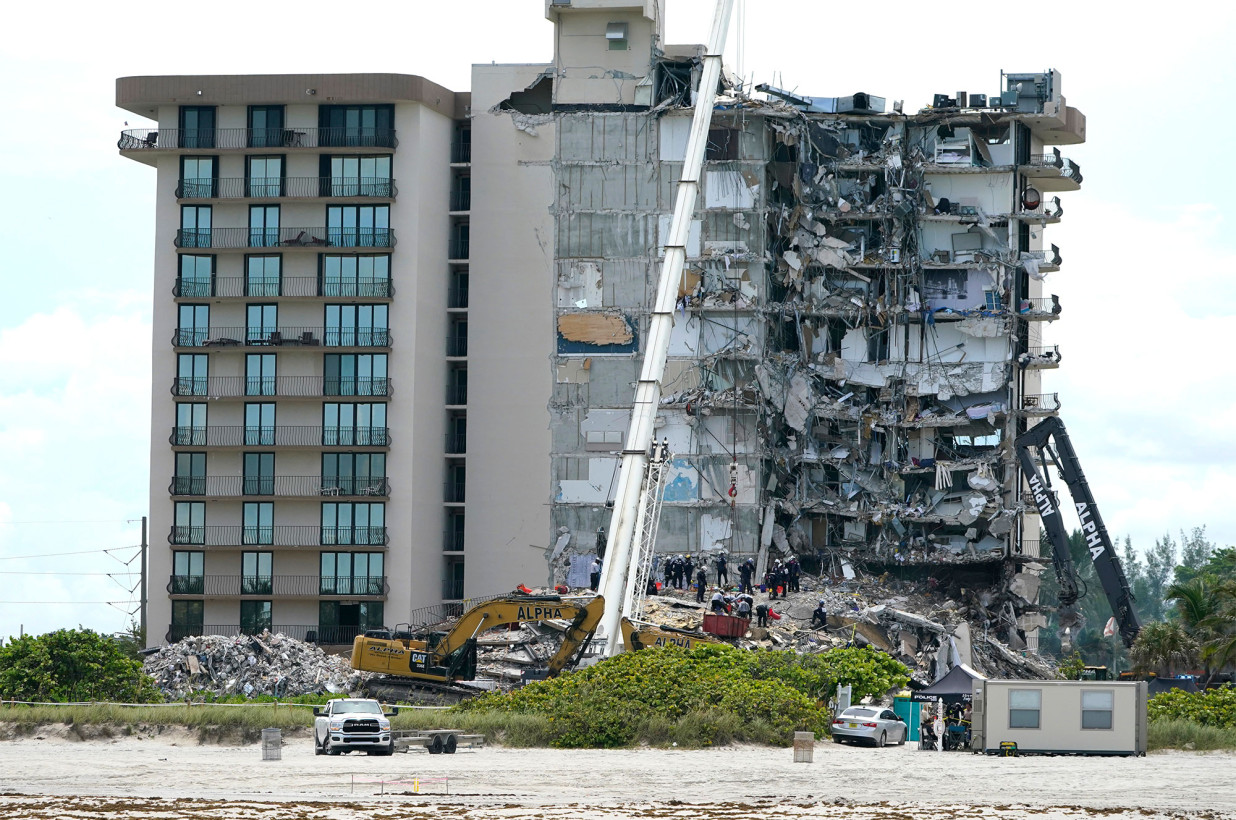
{"points": [[955, 687]]}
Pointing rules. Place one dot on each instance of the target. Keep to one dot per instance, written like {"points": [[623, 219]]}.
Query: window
{"points": [[454, 531], [187, 573], [259, 526], [356, 326], [264, 176], [190, 476], [263, 226], [353, 474], [265, 126], [255, 573], [196, 277], [358, 125], [195, 226], [190, 425], [194, 326], [355, 276], [722, 144], [190, 523], [262, 324], [355, 374], [263, 275], [616, 36], [260, 374], [254, 617], [352, 573], [199, 178], [453, 577], [341, 623], [259, 473], [1097, 708], [347, 523], [358, 226], [358, 176], [260, 425], [348, 425], [1024, 707], [991, 300], [197, 126], [186, 619]]}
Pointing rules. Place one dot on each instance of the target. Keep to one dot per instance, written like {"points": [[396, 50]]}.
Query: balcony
{"points": [[456, 444], [301, 632], [286, 386], [458, 249], [452, 541], [278, 586], [279, 436], [284, 238], [1040, 404], [1045, 309], [1053, 172], [458, 297], [1042, 261], [286, 486], [225, 139], [287, 188], [453, 492], [243, 287], [461, 201], [461, 152], [457, 394], [1040, 358], [279, 535], [457, 346], [284, 336]]}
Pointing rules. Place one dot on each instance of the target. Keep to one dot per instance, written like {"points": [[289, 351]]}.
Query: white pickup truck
{"points": [[352, 723]]}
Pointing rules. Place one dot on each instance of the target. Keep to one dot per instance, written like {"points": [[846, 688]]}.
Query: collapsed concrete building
{"points": [[857, 342]]}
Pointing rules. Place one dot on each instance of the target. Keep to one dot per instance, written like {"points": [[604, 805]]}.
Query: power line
{"points": [[64, 603], [106, 574], [58, 554], [98, 521]]}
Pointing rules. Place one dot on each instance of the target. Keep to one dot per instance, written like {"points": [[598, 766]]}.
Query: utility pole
{"points": [[142, 617]]}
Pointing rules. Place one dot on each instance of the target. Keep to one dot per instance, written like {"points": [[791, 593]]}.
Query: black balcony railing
{"points": [[286, 188], [280, 485], [268, 336], [279, 535], [285, 238], [171, 139], [278, 586], [459, 249], [1039, 306], [461, 151], [301, 632], [452, 541], [457, 394], [1040, 402], [452, 589], [456, 443], [291, 386], [458, 297], [457, 345], [279, 436], [461, 200], [249, 287], [453, 492]]}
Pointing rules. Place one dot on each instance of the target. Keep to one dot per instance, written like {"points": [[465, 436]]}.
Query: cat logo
{"points": [[418, 659]]}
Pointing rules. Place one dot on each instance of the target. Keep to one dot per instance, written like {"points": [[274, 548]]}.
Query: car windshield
{"points": [[353, 706], [860, 713]]}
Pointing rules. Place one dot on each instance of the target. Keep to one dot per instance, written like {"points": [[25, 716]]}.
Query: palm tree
{"points": [[1219, 649], [1161, 646]]}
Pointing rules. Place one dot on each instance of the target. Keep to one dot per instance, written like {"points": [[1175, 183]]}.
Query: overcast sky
{"points": [[1148, 282]]}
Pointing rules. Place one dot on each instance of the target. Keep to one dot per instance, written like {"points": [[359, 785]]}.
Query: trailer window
{"points": [[1097, 709], [1024, 708]]}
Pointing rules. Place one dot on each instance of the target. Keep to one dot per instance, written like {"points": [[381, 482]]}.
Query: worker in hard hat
{"points": [[819, 618]]}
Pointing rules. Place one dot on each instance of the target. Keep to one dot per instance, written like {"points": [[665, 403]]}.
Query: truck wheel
{"points": [[330, 750], [450, 745], [387, 751], [435, 745], [317, 747]]}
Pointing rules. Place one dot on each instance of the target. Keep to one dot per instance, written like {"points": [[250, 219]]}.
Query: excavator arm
{"points": [[636, 635], [1051, 441]]}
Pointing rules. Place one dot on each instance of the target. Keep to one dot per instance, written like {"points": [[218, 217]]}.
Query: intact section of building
{"points": [[310, 349]]}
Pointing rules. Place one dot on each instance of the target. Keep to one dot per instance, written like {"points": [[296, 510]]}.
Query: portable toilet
{"points": [[908, 711]]}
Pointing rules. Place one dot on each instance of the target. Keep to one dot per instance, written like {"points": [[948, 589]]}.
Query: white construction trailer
{"points": [[1059, 717]]}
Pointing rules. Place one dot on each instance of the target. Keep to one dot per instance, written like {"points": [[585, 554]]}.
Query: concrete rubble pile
{"points": [[505, 655], [250, 665]]}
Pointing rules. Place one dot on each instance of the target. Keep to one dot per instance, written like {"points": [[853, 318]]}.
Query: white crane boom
{"points": [[619, 557]]}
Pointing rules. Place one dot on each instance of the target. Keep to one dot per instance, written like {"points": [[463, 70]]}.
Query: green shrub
{"points": [[1189, 735], [72, 665], [1213, 707]]}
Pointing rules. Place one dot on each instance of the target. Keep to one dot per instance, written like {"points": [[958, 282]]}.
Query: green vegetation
{"points": [[73, 665], [702, 697], [1214, 707], [1189, 736], [1071, 668]]}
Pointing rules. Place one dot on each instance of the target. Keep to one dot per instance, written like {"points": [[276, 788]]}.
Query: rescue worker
{"points": [[761, 614], [819, 618], [701, 581], [688, 567], [594, 574], [723, 574], [745, 571], [718, 603], [743, 609], [795, 573]]}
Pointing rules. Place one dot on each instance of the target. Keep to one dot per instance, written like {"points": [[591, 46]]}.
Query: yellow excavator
{"points": [[638, 635], [443, 658]]}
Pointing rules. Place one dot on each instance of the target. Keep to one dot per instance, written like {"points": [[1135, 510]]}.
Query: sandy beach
{"points": [[55, 773]]}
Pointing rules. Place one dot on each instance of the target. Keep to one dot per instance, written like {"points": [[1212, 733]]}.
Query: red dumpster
{"points": [[726, 626]]}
